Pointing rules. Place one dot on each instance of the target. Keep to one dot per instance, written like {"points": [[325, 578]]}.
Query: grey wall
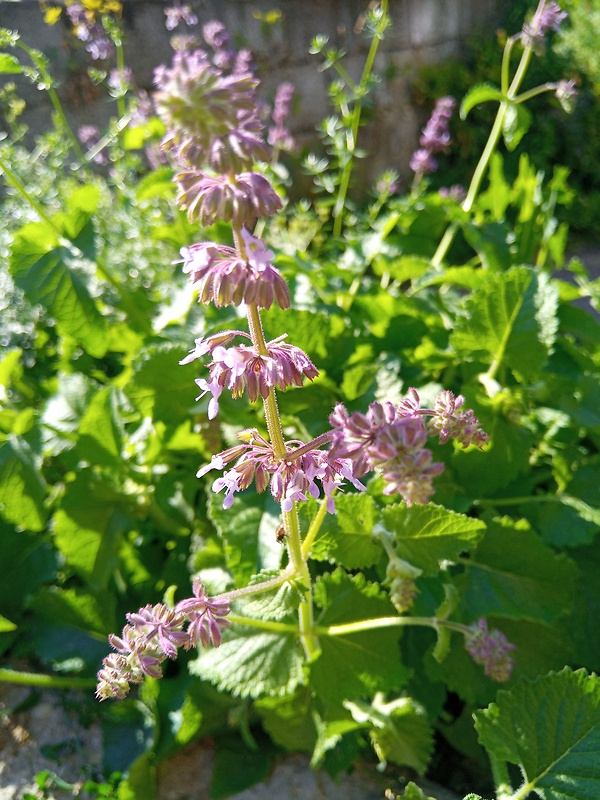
{"points": [[423, 31]]}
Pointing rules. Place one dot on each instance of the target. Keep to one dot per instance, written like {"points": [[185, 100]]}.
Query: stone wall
{"points": [[423, 31]]}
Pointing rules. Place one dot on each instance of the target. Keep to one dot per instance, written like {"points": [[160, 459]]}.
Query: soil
{"points": [[48, 735]]}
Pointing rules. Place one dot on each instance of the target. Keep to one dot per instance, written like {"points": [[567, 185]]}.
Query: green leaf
{"points": [[251, 663], [275, 605], [237, 767], [513, 319], [481, 93], [6, 625], [88, 527], [512, 573], [346, 538], [515, 124], [9, 65], [77, 608], [158, 183], [22, 488], [428, 535], [289, 720], [355, 664], [48, 275], [400, 731], [550, 727], [248, 531], [101, 430]]}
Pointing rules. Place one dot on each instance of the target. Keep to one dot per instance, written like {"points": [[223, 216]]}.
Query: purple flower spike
{"points": [[490, 649], [435, 137], [547, 17]]}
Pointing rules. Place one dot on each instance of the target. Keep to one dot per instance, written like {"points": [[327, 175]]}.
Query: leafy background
{"points": [[101, 436]]}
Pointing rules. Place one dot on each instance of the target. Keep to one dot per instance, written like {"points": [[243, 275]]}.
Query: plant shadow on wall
{"points": [[384, 497]]}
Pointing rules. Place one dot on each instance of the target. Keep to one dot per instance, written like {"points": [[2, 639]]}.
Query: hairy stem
{"points": [[45, 681]]}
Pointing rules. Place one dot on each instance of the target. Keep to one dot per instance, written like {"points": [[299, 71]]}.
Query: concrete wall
{"points": [[423, 31]]}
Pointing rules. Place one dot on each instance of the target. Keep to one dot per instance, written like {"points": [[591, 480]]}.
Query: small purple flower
{"points": [[490, 649], [161, 623], [89, 32], [422, 162], [243, 367], [215, 34], [177, 14], [221, 276], [547, 17], [206, 617]]}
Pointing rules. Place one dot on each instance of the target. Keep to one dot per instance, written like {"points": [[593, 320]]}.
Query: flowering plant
{"points": [[332, 601]]}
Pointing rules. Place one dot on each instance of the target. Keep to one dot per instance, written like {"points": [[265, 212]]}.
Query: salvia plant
{"points": [[384, 498]]}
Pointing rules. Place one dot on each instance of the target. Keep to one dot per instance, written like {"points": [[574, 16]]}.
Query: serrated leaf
{"points": [[248, 531], [46, 273], [353, 665], [252, 663], [22, 489], [77, 608], [346, 538], [513, 319], [512, 573], [550, 727], [400, 731], [9, 65], [481, 93], [330, 735], [428, 535], [275, 605]]}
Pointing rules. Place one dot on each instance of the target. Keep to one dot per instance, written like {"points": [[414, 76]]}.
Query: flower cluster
{"points": [[279, 136], [90, 32], [244, 367], [490, 649], [547, 17], [154, 634], [291, 477], [435, 137], [392, 438], [177, 14]]}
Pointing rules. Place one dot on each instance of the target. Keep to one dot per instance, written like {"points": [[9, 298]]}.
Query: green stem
{"points": [[501, 779], [314, 528], [45, 681], [54, 99], [488, 151], [340, 202], [120, 71]]}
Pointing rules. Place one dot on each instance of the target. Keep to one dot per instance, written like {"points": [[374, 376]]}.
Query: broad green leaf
{"points": [[516, 123], [251, 663], [481, 93], [27, 563], [512, 319], [504, 460], [550, 727], [490, 241], [400, 731], [22, 488], [77, 608], [140, 783], [289, 720], [64, 410], [237, 768], [511, 573], [333, 736], [48, 274], [353, 665], [88, 527], [9, 64], [428, 535], [276, 604], [158, 183], [346, 538], [160, 387], [248, 531], [101, 430]]}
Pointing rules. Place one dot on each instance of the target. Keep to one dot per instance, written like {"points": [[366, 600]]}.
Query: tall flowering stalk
{"points": [[215, 137]]}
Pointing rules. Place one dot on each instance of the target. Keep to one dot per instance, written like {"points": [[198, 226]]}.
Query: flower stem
{"points": [[489, 148], [340, 202], [45, 681]]}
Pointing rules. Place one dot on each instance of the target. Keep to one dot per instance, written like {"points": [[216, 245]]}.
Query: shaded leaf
{"points": [[22, 488]]}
